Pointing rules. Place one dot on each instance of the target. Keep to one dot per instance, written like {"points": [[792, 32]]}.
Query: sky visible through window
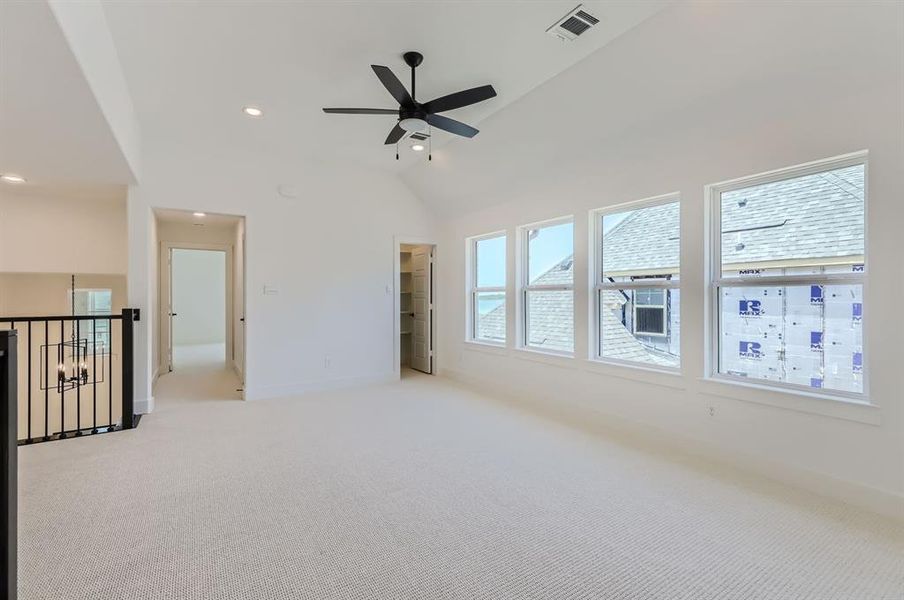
{"points": [[550, 246]]}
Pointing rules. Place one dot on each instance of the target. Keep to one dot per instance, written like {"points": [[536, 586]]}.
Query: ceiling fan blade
{"points": [[362, 111], [452, 126], [460, 99], [395, 135], [392, 83]]}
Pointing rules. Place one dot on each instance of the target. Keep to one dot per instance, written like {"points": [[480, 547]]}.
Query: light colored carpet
{"points": [[199, 356], [419, 489]]}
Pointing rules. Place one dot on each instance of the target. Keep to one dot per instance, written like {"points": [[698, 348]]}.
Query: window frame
{"points": [[525, 287], [600, 286], [473, 290], [715, 279]]}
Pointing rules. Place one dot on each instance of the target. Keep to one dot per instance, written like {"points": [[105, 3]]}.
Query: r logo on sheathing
{"points": [[750, 350], [750, 308], [815, 340], [816, 294]]}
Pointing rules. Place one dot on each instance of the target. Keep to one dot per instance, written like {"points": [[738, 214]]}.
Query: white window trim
{"points": [[524, 286], [600, 285], [473, 289], [715, 280]]}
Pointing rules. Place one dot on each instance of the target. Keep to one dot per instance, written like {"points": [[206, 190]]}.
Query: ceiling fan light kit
{"points": [[415, 117]]}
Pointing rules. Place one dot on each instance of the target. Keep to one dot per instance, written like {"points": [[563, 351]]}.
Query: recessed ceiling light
{"points": [[10, 178], [417, 147], [200, 214], [253, 111]]}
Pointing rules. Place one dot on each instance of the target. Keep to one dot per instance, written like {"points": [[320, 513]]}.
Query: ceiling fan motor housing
{"points": [[413, 59]]}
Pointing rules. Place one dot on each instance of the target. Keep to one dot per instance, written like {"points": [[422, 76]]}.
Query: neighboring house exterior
{"points": [[809, 335]]}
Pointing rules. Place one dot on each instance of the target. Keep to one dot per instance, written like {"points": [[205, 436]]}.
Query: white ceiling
{"points": [[727, 60], [51, 128], [191, 66]]}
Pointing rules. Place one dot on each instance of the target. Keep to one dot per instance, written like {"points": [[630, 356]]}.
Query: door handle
{"points": [[173, 315]]}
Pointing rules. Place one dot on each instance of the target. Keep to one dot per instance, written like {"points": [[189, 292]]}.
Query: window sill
{"points": [[838, 407], [559, 359], [665, 377], [489, 347]]}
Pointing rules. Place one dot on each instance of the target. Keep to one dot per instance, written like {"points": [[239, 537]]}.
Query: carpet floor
{"points": [[417, 489]]}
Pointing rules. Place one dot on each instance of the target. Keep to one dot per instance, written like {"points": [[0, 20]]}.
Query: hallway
{"points": [[200, 374]]}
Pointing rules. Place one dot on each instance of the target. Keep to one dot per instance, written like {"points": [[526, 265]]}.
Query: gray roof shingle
{"points": [[818, 217]]}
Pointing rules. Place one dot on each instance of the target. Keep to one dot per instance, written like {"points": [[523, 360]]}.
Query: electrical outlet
{"points": [[712, 410], [327, 362]]}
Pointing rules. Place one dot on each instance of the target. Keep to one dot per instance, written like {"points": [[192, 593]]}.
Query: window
{"points": [[547, 286], [94, 302], [650, 312], [487, 288], [788, 267], [637, 308]]}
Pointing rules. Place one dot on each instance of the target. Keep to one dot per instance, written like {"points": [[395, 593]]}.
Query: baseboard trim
{"points": [[863, 496], [145, 406], [306, 387]]}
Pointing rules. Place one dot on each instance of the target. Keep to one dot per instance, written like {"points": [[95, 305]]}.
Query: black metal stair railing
{"points": [[66, 366]]}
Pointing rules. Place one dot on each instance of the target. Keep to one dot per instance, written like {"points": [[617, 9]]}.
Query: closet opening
{"points": [[415, 307]]}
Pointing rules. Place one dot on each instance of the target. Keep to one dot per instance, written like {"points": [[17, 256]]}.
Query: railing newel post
{"points": [[128, 384], [9, 425]]}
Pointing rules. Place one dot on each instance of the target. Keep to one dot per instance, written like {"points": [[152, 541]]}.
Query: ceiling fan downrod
{"points": [[413, 60]]}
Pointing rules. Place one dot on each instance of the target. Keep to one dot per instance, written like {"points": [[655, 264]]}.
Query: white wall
{"points": [[336, 303], [63, 230], [199, 297], [700, 94]]}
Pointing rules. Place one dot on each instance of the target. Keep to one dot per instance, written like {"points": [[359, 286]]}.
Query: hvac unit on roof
{"points": [[573, 24]]}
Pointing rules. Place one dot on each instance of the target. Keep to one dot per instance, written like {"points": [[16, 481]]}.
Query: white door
{"points": [[422, 303], [169, 312]]}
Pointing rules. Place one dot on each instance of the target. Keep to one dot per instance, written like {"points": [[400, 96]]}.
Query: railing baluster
{"points": [[110, 373], [94, 373], [46, 382], [78, 374], [28, 378], [61, 360]]}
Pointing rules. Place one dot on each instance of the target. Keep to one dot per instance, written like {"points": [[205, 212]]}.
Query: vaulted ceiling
{"points": [[191, 67]]}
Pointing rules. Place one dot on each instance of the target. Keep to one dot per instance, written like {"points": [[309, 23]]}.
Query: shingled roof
{"points": [[552, 315], [817, 217]]}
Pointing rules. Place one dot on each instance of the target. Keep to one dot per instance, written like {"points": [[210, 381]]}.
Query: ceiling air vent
{"points": [[573, 24], [419, 136]]}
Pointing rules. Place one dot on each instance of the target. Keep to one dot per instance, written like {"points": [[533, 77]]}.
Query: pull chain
{"points": [[429, 142]]}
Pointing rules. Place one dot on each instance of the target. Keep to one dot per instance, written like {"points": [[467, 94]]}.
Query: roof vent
{"points": [[573, 24]]}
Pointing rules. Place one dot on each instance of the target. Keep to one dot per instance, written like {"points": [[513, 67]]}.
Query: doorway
{"points": [[415, 307], [200, 303], [198, 291]]}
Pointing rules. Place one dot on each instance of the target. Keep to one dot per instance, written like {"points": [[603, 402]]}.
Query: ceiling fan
{"points": [[413, 116]]}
